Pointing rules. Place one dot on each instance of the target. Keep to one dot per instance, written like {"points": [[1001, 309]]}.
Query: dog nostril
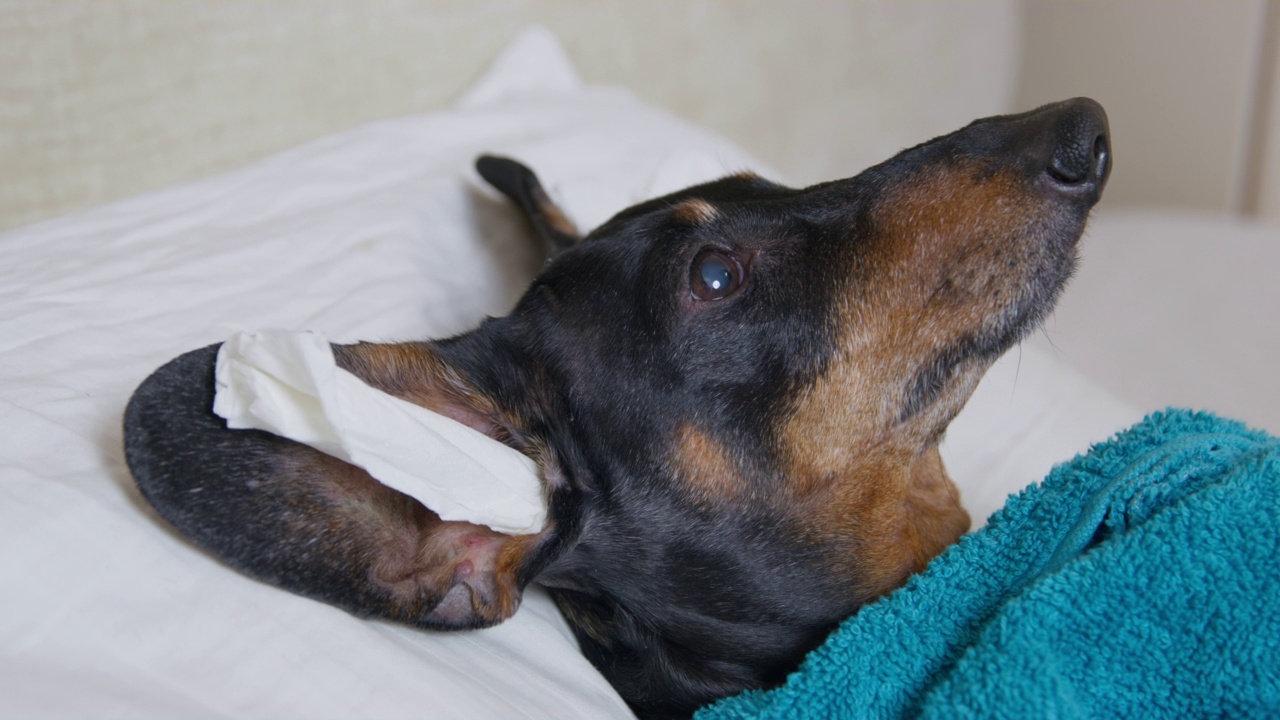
{"points": [[1063, 176], [1101, 154], [1071, 163], [1070, 144], [1077, 160]]}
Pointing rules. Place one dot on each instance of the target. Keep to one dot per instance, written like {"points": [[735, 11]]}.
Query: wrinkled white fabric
{"points": [[289, 384], [380, 233]]}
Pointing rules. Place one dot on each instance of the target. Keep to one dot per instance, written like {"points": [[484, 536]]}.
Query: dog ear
{"points": [[310, 523], [519, 183]]}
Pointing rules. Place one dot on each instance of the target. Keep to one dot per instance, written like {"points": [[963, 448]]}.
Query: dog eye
{"points": [[715, 274]]}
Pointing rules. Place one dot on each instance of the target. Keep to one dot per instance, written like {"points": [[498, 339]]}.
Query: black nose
{"points": [[1080, 158]]}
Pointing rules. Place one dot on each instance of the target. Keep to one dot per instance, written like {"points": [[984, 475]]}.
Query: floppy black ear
{"points": [[519, 183], [310, 523]]}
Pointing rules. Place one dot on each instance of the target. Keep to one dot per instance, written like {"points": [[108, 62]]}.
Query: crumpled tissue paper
{"points": [[288, 383]]}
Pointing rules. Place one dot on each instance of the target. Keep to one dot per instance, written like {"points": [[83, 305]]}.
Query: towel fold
{"points": [[1141, 579]]}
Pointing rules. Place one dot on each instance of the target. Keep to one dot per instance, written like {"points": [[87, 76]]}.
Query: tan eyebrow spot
{"points": [[695, 212]]}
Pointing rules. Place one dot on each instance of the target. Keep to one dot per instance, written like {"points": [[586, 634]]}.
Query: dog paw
{"points": [[454, 575]]}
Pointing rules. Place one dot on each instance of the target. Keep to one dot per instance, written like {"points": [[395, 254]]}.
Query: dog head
{"points": [[735, 392]]}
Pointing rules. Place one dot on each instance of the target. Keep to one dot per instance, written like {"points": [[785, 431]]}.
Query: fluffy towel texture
{"points": [[1139, 580]]}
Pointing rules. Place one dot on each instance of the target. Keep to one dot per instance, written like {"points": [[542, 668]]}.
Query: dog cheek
{"points": [[705, 469]]}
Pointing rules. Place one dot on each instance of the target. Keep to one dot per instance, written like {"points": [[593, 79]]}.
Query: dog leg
{"points": [[297, 518]]}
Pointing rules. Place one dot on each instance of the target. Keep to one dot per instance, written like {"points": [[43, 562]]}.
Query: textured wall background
{"points": [[1186, 84], [102, 100]]}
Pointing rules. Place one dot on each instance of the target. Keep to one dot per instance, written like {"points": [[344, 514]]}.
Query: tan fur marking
{"points": [[420, 562], [414, 372], [496, 595], [705, 466], [890, 518], [411, 371], [935, 272], [935, 517], [947, 253], [695, 212]]}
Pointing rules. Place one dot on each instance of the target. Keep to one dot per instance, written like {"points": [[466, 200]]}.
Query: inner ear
{"points": [[417, 373], [519, 183], [313, 524]]}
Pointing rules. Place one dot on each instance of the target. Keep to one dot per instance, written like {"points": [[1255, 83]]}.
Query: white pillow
{"points": [[378, 233]]}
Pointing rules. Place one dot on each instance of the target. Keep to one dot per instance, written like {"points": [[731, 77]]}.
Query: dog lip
{"points": [[933, 378]]}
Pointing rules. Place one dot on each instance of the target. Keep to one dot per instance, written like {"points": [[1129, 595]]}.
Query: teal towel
{"points": [[1139, 580]]}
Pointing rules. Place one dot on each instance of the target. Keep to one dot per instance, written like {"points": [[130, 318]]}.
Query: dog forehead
{"points": [[744, 188]]}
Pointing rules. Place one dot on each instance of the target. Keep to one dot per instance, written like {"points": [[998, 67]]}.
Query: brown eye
{"points": [[715, 274]]}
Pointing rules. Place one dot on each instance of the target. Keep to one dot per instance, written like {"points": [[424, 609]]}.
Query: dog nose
{"points": [[1080, 158]]}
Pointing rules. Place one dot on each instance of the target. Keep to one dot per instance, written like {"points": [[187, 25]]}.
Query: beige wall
{"points": [[102, 100], [1265, 199], [1179, 80]]}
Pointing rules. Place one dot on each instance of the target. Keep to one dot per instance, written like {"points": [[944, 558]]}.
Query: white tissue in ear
{"points": [[288, 383]]}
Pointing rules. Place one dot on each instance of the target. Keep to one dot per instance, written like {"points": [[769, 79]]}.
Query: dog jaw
{"points": [[953, 268]]}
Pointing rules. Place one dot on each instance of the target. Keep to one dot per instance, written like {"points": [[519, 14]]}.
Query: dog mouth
{"points": [[972, 354]]}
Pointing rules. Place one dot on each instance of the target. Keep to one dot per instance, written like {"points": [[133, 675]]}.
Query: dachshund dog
{"points": [[734, 395]]}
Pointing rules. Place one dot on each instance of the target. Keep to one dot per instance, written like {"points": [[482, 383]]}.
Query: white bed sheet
{"points": [[379, 233]]}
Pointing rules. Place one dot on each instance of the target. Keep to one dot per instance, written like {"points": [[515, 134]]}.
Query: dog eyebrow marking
{"points": [[705, 466], [695, 212]]}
